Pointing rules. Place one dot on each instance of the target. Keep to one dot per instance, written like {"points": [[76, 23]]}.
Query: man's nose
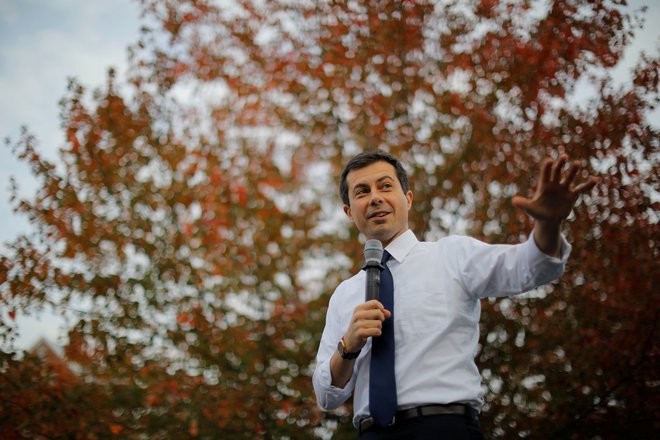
{"points": [[376, 199]]}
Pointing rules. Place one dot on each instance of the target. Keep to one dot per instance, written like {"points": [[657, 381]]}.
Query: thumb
{"points": [[520, 202]]}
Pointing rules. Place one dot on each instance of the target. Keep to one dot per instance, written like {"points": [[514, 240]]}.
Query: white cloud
{"points": [[36, 66]]}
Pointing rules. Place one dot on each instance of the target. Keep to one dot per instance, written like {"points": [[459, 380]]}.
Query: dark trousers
{"points": [[438, 427]]}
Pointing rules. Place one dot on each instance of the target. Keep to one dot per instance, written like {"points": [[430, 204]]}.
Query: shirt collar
{"points": [[401, 246]]}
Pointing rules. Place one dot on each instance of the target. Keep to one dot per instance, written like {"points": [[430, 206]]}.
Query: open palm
{"points": [[556, 192]]}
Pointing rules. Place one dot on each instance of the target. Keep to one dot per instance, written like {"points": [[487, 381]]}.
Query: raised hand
{"points": [[556, 191]]}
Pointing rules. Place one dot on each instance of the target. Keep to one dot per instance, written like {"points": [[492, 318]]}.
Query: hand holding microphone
{"points": [[368, 317]]}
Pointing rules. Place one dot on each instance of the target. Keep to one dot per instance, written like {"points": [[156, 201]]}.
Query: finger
{"points": [[370, 324], [371, 305], [369, 315], [556, 169], [572, 172], [546, 170], [586, 186], [369, 328], [369, 332], [520, 202], [359, 331]]}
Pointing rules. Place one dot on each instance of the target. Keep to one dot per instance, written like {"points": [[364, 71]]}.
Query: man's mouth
{"points": [[377, 215]]}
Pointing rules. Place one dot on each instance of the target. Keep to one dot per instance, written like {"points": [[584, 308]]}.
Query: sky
{"points": [[42, 44], [45, 42]]}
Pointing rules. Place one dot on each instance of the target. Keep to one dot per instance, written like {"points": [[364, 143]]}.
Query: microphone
{"points": [[373, 253]]}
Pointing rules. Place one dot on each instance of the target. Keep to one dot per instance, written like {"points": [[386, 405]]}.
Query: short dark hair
{"points": [[366, 158]]}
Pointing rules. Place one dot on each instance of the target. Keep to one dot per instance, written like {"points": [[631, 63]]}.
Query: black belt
{"points": [[368, 423]]}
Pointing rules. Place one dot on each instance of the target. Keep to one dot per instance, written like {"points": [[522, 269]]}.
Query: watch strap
{"points": [[341, 347]]}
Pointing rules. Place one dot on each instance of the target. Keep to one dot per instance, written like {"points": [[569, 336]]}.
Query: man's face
{"points": [[378, 206]]}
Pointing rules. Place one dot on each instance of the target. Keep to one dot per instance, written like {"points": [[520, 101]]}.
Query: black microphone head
{"points": [[373, 251]]}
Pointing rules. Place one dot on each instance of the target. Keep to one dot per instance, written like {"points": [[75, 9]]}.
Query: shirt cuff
{"points": [[538, 254], [327, 395]]}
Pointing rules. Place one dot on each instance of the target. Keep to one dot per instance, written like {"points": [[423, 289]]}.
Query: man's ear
{"points": [[347, 211], [409, 198]]}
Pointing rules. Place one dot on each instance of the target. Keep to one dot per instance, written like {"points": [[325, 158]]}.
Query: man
{"points": [[410, 365]]}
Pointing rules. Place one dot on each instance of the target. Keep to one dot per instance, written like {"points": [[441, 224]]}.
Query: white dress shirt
{"points": [[437, 287]]}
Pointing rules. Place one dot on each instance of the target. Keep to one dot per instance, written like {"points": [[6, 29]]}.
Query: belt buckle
{"points": [[371, 423], [368, 421]]}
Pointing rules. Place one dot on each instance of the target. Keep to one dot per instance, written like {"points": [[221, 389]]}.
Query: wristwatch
{"points": [[341, 348]]}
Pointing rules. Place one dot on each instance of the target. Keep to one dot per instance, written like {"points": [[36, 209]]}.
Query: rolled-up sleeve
{"points": [[328, 396]]}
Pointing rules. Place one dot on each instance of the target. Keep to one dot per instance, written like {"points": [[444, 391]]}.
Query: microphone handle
{"points": [[372, 290]]}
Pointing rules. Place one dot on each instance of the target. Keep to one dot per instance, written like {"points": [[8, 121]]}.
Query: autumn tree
{"points": [[196, 231]]}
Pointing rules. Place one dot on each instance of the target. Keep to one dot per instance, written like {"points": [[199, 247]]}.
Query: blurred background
{"points": [[173, 192]]}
